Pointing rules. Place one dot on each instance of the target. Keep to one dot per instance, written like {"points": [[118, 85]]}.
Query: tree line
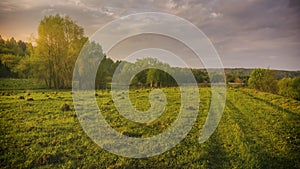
{"points": [[13, 55], [52, 59], [60, 41], [265, 80]]}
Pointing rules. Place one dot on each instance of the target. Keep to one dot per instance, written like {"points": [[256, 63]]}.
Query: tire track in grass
{"points": [[291, 119], [249, 140], [234, 149], [236, 145], [281, 101], [215, 154], [265, 128], [278, 107]]}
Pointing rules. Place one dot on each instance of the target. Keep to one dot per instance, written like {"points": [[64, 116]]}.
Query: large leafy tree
{"points": [[58, 45], [263, 80]]}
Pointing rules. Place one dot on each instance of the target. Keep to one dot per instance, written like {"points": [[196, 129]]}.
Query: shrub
{"points": [[263, 80], [289, 87]]}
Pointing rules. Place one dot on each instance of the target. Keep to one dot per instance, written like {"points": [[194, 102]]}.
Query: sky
{"points": [[245, 33]]}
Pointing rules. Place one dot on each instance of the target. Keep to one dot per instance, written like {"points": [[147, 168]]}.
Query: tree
{"points": [[58, 45], [289, 87], [201, 75], [263, 80], [217, 78], [155, 74], [9, 63], [86, 64], [153, 77], [24, 67], [140, 79], [105, 72], [14, 58], [296, 87]]}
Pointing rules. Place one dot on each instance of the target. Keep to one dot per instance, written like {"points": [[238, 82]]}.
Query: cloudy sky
{"points": [[246, 33]]}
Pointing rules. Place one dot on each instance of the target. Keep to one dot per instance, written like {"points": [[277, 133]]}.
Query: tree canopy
{"points": [[263, 80], [58, 45], [12, 57], [289, 87]]}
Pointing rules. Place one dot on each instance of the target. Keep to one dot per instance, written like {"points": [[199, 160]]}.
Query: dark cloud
{"points": [[294, 4]]}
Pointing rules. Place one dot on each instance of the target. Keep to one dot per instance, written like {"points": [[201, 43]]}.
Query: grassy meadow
{"points": [[257, 130]]}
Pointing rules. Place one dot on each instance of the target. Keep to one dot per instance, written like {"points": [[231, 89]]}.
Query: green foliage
{"points": [[296, 87], [217, 78], [140, 79], [155, 76], [12, 56], [235, 78], [105, 72], [237, 75], [289, 87], [58, 44], [158, 74], [90, 55], [201, 75], [18, 84], [263, 80], [10, 61], [24, 67], [13, 47]]}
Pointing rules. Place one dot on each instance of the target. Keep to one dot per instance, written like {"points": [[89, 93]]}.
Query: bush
{"points": [[289, 87], [263, 80]]}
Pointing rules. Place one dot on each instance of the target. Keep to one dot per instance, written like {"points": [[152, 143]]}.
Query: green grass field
{"points": [[257, 130]]}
